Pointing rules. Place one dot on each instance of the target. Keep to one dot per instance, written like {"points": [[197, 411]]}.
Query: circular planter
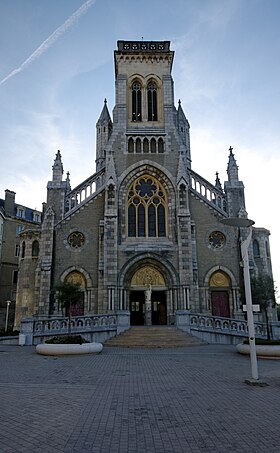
{"points": [[67, 349], [261, 350]]}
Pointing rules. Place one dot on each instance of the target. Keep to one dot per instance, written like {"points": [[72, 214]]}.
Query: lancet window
{"points": [[35, 248], [256, 248], [152, 102], [136, 102]]}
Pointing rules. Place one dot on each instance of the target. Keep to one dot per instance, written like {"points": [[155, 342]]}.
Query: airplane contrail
{"points": [[51, 39]]}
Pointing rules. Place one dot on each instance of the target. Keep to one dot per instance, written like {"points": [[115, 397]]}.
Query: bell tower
{"points": [[144, 107], [144, 86]]}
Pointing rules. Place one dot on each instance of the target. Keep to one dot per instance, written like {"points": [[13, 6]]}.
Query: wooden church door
{"points": [[220, 304]]}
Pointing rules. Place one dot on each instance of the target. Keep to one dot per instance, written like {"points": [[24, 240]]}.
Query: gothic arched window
{"points": [[136, 102], [160, 145], [145, 145], [35, 248], [138, 145], [256, 248], [153, 145], [146, 208], [152, 101], [130, 145]]}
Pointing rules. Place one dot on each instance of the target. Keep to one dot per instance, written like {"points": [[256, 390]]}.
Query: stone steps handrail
{"points": [[79, 324], [207, 192], [225, 325], [97, 328], [83, 191]]}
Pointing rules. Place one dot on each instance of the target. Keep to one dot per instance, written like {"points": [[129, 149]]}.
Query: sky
{"points": [[57, 67]]}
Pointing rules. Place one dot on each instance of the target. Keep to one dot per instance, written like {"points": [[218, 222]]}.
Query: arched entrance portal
{"points": [[148, 297], [77, 307], [220, 286]]}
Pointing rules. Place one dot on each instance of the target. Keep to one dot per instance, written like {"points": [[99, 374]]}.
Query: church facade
{"points": [[144, 232]]}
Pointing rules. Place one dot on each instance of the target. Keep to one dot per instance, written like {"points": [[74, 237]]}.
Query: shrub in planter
{"points": [[69, 339], [9, 333]]}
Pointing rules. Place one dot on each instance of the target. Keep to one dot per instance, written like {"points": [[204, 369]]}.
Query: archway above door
{"points": [[220, 284], [146, 276]]}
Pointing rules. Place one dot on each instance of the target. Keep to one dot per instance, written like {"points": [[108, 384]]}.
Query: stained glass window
{"points": [[146, 208]]}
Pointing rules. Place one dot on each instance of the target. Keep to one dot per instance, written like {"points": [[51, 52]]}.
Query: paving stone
{"points": [[190, 399]]}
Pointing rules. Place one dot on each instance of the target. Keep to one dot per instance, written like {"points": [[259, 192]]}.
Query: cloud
{"points": [[51, 39]]}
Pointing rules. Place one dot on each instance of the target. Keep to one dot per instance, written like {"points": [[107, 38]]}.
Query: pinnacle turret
{"points": [[234, 189], [104, 128], [232, 168], [105, 115], [218, 184], [68, 185], [57, 168]]}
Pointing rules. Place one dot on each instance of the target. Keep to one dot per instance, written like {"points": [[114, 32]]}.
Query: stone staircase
{"points": [[153, 337]]}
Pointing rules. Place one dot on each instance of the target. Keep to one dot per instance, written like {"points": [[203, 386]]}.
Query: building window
{"points": [[160, 146], [19, 229], [35, 248], [20, 212], [17, 250], [256, 249], [146, 208], [23, 250], [15, 277], [136, 102], [36, 217], [138, 145], [153, 145], [152, 102], [131, 145], [145, 145]]}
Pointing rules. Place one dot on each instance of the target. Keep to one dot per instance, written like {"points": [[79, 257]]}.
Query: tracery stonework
{"points": [[76, 239], [147, 276]]}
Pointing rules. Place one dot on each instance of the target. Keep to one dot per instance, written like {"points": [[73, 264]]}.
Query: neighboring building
{"points": [[14, 219], [143, 233]]}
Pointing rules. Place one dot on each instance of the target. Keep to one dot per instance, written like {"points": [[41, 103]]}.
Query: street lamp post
{"points": [[247, 223], [7, 315]]}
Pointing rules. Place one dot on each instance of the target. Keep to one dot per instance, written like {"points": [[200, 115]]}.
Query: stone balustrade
{"points": [[215, 329], [207, 192], [99, 328], [92, 327], [80, 194], [234, 326]]}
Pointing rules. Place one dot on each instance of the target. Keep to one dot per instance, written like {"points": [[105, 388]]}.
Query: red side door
{"points": [[220, 304]]}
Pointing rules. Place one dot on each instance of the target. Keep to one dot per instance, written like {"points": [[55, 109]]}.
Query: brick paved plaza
{"points": [[183, 400]]}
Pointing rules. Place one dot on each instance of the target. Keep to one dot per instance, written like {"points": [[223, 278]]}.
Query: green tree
{"points": [[263, 293], [68, 293]]}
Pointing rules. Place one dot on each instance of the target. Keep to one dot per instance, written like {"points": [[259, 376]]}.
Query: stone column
{"points": [[148, 306]]}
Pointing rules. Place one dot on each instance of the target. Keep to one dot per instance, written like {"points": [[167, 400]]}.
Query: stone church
{"points": [[144, 232]]}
